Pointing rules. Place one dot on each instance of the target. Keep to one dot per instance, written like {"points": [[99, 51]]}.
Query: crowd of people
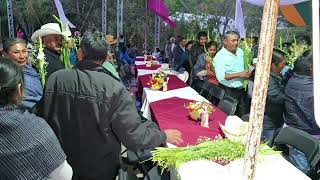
{"points": [[75, 125], [87, 113], [290, 92]]}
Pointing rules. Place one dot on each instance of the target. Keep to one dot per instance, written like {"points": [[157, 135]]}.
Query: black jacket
{"points": [[275, 103], [91, 114], [299, 104], [196, 50], [180, 56], [54, 62]]}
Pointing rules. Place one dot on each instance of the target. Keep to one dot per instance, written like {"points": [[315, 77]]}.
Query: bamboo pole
{"points": [[267, 35]]}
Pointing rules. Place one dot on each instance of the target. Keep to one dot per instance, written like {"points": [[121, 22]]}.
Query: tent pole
{"points": [[146, 28], [267, 36], [316, 62]]}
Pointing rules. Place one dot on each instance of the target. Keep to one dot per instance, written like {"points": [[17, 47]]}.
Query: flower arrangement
{"points": [[38, 60], [66, 45], [198, 108], [157, 80]]}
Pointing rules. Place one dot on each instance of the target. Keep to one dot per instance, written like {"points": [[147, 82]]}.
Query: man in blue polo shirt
{"points": [[229, 68]]}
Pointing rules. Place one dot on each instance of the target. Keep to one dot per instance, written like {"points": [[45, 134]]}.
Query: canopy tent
{"points": [[282, 2], [296, 12]]}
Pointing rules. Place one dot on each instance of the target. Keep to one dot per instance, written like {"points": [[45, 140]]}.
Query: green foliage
{"points": [[294, 51], [210, 150], [246, 46], [216, 150]]}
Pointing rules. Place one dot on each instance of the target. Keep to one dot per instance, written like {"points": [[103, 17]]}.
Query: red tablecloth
{"points": [[174, 82], [171, 114], [139, 58], [155, 67]]}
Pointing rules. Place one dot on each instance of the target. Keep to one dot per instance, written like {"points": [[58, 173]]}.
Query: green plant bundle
{"points": [[216, 150], [210, 150], [65, 49], [217, 38], [65, 54], [294, 51], [246, 46]]}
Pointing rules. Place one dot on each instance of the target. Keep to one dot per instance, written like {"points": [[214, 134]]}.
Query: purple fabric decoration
{"points": [[160, 9], [61, 14], [239, 21]]}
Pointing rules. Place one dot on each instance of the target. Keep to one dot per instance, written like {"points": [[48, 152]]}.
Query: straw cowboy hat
{"points": [[110, 39], [49, 29]]}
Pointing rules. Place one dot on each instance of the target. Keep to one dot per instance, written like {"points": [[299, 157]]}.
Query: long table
{"points": [[167, 109], [171, 113]]}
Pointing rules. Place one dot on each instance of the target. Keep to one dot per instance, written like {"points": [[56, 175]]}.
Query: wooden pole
{"points": [[267, 35]]}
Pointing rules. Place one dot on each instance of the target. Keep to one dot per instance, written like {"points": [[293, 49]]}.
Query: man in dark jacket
{"points": [[198, 48], [299, 102], [91, 112], [179, 54], [299, 97], [273, 116], [52, 41]]}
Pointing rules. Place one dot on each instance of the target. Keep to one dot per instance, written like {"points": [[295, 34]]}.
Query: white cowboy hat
{"points": [[235, 129], [47, 29], [184, 76]]}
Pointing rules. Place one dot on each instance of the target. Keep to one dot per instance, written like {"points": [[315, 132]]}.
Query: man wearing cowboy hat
{"points": [[52, 40]]}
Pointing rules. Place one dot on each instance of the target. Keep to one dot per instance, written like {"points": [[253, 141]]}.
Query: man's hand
{"points": [[173, 136], [245, 74]]}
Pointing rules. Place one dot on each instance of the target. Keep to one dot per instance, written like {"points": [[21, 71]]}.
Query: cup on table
{"points": [[148, 64]]}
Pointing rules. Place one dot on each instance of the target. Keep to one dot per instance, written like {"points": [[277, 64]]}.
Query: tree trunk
{"points": [[267, 35]]}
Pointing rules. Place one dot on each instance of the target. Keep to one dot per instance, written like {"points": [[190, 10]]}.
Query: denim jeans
{"points": [[299, 160], [270, 135]]}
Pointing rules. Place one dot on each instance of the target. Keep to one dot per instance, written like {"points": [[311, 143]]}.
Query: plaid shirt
{"points": [[29, 148]]}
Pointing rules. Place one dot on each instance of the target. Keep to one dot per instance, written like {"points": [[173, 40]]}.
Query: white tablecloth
{"points": [[270, 167], [152, 96], [146, 71], [139, 62]]}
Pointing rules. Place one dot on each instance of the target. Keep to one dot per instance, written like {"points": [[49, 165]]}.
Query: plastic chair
{"points": [[228, 105], [304, 142]]}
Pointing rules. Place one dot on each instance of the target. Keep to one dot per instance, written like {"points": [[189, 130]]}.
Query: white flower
{"points": [[41, 56]]}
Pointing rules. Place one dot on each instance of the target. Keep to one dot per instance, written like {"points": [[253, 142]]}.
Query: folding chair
{"points": [[246, 117], [304, 142], [228, 105], [139, 161], [205, 90], [217, 94]]}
